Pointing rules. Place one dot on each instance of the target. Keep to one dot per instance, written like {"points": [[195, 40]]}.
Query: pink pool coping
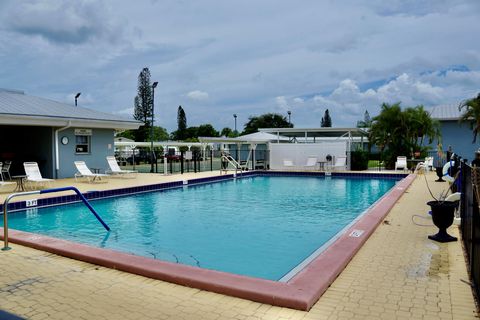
{"points": [[300, 292]]}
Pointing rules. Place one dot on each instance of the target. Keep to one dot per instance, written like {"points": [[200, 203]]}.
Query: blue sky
{"points": [[217, 58]]}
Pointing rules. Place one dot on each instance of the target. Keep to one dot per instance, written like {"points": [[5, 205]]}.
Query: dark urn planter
{"points": [[439, 171], [442, 216]]}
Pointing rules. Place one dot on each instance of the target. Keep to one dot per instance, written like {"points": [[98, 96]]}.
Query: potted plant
{"points": [[443, 213], [442, 216]]}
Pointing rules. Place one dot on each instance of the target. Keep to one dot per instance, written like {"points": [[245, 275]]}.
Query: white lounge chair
{"points": [[311, 163], [401, 163], [288, 163], [85, 172], [32, 171], [115, 168], [340, 163]]}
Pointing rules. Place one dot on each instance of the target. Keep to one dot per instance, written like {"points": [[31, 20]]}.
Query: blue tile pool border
{"points": [[102, 194]]}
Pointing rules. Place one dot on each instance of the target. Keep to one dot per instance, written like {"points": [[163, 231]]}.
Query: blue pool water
{"points": [[258, 226]]}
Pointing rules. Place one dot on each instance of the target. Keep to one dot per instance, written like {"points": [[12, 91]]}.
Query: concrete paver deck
{"points": [[398, 274]]}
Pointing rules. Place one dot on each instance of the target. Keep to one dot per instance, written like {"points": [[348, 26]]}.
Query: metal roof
{"points": [[445, 112], [317, 132], [256, 137], [21, 109], [262, 136]]}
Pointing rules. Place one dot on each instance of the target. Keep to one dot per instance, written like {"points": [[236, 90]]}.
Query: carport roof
{"points": [[317, 132], [17, 108]]}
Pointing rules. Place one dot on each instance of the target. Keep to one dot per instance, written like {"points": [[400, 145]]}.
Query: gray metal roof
{"points": [[445, 112], [18, 104]]}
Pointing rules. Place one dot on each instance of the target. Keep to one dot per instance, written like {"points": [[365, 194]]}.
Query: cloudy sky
{"points": [[217, 58]]}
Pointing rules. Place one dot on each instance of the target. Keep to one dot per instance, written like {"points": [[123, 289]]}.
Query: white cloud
{"points": [[197, 95], [62, 22], [126, 111], [298, 100], [348, 102], [247, 58], [281, 103]]}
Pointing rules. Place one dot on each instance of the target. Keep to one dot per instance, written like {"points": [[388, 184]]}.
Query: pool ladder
{"points": [[19, 194], [227, 158]]}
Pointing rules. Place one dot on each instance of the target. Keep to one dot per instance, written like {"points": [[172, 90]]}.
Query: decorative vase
{"points": [[442, 216], [439, 171]]}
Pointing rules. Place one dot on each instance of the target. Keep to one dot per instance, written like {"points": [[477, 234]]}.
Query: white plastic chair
{"points": [[32, 171], [311, 163], [401, 163], [340, 163], [84, 171], [6, 170], [288, 163], [115, 168]]}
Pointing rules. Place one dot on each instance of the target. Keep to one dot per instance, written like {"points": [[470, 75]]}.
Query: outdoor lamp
{"points": [[154, 85], [76, 97]]}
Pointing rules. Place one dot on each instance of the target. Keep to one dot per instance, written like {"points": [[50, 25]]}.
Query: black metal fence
{"points": [[140, 159], [470, 226]]}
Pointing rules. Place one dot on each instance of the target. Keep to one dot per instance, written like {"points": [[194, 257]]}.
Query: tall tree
{"points": [[143, 103], [367, 121], [326, 120], [471, 113], [268, 120], [159, 134], [207, 130], [181, 133]]}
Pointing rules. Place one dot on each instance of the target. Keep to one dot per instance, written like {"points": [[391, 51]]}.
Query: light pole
{"points": [[289, 114], [76, 97], [154, 85], [235, 117]]}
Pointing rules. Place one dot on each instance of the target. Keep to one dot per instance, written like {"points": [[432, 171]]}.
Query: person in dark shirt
{"points": [[476, 161]]}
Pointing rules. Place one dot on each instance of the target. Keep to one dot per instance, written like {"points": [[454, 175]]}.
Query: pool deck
{"points": [[397, 274]]}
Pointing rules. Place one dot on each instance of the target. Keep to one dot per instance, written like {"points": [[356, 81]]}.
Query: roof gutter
{"points": [[57, 156]]}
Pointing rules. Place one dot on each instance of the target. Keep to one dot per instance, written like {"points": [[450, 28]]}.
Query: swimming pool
{"points": [[261, 226]]}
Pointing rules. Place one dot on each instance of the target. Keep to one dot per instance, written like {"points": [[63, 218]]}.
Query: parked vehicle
{"points": [[140, 157]]}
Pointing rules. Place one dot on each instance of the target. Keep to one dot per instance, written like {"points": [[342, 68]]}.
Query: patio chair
{"points": [[340, 163], [401, 163], [34, 176], [85, 172], [311, 163], [6, 170], [115, 168], [288, 163], [428, 163]]}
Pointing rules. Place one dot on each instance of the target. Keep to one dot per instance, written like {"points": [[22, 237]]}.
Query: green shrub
{"points": [[359, 160]]}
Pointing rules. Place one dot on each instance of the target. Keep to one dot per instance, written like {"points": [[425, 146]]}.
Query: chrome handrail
{"points": [[19, 194]]}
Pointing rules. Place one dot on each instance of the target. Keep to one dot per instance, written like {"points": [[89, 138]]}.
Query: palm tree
{"points": [[420, 126], [398, 132], [471, 113]]}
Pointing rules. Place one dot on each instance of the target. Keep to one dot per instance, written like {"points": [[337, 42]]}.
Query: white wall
{"points": [[299, 152]]}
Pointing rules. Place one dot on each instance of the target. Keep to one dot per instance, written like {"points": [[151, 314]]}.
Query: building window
{"points": [[82, 144]]}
